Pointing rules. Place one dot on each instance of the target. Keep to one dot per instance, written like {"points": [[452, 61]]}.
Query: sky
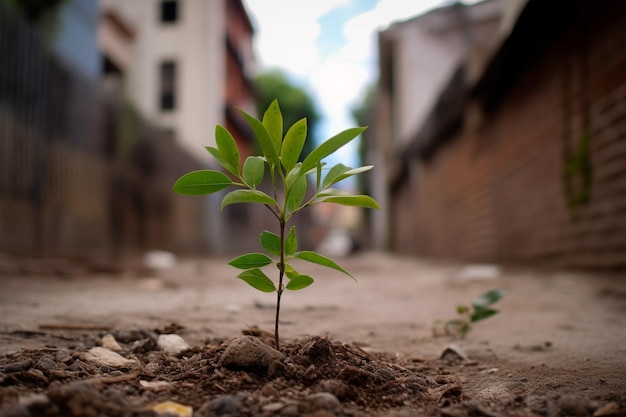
{"points": [[328, 47]]}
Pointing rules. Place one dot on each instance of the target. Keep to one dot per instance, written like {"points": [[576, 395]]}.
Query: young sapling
{"points": [[480, 310], [288, 177]]}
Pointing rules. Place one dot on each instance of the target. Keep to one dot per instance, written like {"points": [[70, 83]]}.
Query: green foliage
{"points": [[577, 175], [289, 182], [296, 104], [480, 310], [44, 15]]}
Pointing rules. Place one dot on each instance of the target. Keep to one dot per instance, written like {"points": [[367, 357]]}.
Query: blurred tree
{"points": [[295, 103], [43, 14], [362, 114]]}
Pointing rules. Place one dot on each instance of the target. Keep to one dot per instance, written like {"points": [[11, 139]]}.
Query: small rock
{"points": [[33, 399], [610, 409], [172, 344], [572, 406], [109, 342], [269, 390], [101, 356], [143, 346], [132, 335], [152, 368], [324, 401], [36, 374], [159, 259], [155, 385], [273, 407], [226, 405], [171, 408], [290, 410], [338, 388], [318, 350], [248, 353], [453, 352], [46, 363], [18, 366]]}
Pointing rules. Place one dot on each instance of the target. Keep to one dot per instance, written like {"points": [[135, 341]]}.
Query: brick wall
{"points": [[542, 178]]}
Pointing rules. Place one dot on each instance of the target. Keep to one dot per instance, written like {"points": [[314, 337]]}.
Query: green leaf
{"points": [[201, 182], [290, 271], [251, 260], [257, 279], [291, 243], [273, 123], [316, 258], [353, 200], [482, 313], [488, 299], [228, 149], [299, 282], [333, 192], [330, 146], [333, 174], [293, 175], [342, 173], [293, 144], [318, 176], [270, 242], [296, 194], [461, 309], [247, 196], [253, 170], [218, 157], [264, 138]]}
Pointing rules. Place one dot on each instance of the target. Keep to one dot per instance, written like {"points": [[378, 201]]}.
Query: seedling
{"points": [[480, 310], [289, 183]]}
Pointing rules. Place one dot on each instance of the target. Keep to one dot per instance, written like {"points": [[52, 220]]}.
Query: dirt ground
{"points": [[557, 347]]}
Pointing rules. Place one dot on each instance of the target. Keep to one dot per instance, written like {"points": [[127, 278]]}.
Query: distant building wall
{"points": [[537, 173], [81, 173]]}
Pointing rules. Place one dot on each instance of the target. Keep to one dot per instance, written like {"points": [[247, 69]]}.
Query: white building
{"points": [[178, 76]]}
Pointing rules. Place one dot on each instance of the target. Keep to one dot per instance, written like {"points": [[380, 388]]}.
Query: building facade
{"points": [[524, 162], [189, 66]]}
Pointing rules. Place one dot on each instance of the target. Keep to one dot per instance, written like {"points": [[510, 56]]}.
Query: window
{"points": [[169, 11], [167, 80]]}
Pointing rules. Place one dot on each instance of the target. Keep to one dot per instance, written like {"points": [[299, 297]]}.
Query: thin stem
{"points": [[279, 291]]}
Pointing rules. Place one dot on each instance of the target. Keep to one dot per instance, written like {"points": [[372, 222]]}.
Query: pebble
{"points": [[101, 356], [109, 342], [172, 344], [152, 368], [32, 399], [46, 363], [171, 408], [226, 405], [290, 410], [250, 354], [273, 407], [324, 401], [132, 335], [155, 385], [269, 390], [607, 410], [454, 352], [18, 366]]}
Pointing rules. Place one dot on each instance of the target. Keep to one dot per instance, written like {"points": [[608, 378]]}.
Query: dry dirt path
{"points": [[557, 332]]}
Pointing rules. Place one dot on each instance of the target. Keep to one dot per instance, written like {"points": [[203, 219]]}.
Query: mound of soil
{"points": [[245, 376]]}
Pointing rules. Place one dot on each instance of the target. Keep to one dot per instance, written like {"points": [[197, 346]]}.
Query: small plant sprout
{"points": [[288, 178], [480, 310]]}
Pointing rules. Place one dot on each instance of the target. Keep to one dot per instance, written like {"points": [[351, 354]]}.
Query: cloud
{"points": [[286, 32], [286, 38]]}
